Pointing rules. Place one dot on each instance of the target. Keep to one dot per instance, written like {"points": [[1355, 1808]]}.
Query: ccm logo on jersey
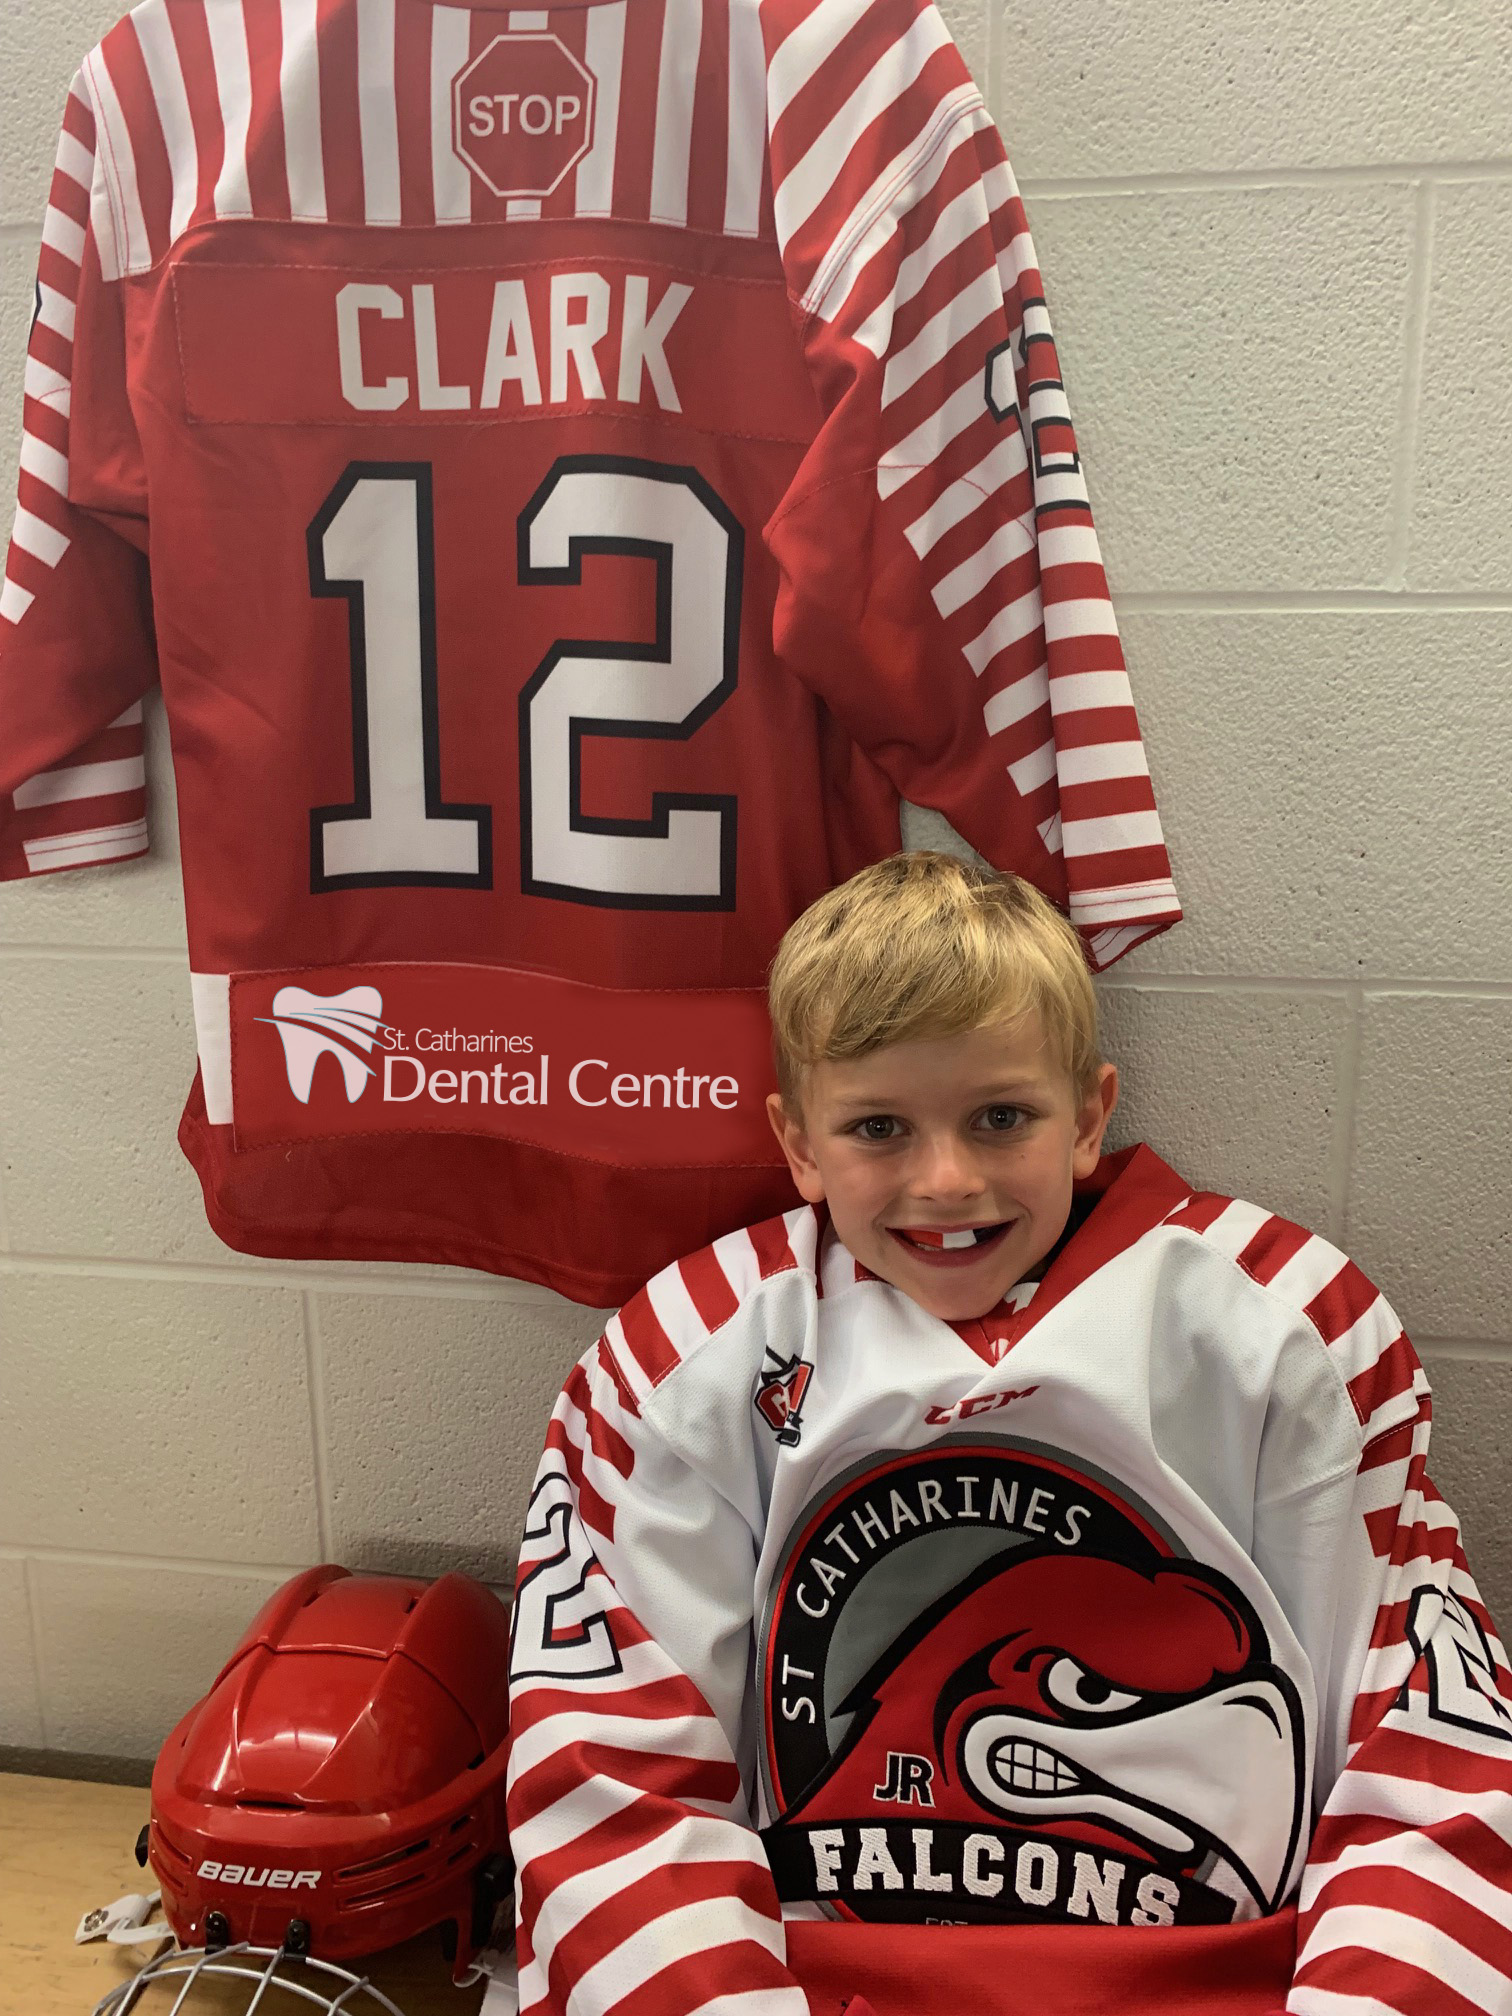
{"points": [[258, 1879], [977, 1403]]}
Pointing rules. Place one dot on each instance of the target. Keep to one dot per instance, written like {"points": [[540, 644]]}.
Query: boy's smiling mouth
{"points": [[952, 1246]]}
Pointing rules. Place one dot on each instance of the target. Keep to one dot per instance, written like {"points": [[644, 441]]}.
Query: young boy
{"points": [[1008, 1582]]}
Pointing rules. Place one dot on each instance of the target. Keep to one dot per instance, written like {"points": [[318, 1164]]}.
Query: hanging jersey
{"points": [[570, 471], [1124, 1622]]}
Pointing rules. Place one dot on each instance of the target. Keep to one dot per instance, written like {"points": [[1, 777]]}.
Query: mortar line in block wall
{"points": [[1307, 602], [189, 1564], [470, 1287], [315, 1379], [1478, 1350], [181, 1564], [1341, 1151], [160, 954], [1187, 181], [1305, 983], [1470, 990], [1154, 182], [1448, 985], [34, 1628], [992, 89], [1415, 345]]}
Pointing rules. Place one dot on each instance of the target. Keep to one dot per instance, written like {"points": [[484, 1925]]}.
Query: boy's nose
{"points": [[945, 1168]]}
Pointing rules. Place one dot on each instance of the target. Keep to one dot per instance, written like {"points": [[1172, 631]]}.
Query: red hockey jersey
{"points": [[570, 471], [1113, 1652]]}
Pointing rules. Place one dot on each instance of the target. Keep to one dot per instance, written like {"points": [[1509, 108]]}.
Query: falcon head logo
{"points": [[1080, 1697]]}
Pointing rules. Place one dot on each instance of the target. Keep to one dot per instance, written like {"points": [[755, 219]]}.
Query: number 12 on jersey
{"points": [[373, 543]]}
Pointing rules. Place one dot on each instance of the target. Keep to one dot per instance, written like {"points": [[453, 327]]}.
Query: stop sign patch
{"points": [[522, 113]]}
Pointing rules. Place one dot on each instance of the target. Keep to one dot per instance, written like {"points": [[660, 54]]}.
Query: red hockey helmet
{"points": [[341, 1786]]}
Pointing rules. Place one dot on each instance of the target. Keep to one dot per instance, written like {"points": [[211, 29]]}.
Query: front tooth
{"points": [[967, 1238]]}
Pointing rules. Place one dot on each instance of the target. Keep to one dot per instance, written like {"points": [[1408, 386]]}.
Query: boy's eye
{"points": [[876, 1127], [1001, 1119]]}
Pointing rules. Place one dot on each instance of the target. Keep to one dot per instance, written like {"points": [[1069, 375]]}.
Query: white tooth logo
{"points": [[309, 1024]]}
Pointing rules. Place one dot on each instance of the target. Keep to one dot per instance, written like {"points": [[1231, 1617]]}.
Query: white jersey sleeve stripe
{"points": [[1234, 1227], [639, 1384], [120, 227], [83, 849], [700, 1927], [1037, 768], [1116, 830], [299, 98], [604, 53], [695, 1838], [75, 160], [1070, 546], [878, 220], [451, 184], [675, 1310], [1010, 541], [1084, 618], [88, 780], [227, 26], [1005, 460], [41, 382], [1103, 759], [875, 218], [676, 93], [1012, 623], [810, 180], [1415, 1941], [38, 459], [1074, 692], [745, 145], [14, 600], [55, 311], [805, 50], [979, 299], [165, 75], [64, 236], [928, 441], [35, 536], [1016, 702], [961, 216], [378, 111]]}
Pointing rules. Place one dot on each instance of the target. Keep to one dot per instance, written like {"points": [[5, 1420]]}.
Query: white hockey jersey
{"points": [[1129, 1606]]}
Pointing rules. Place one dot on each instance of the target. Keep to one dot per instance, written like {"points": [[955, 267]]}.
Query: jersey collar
{"points": [[1127, 1195]]}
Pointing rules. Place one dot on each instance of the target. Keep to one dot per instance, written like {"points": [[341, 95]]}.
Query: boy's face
{"points": [[978, 1134]]}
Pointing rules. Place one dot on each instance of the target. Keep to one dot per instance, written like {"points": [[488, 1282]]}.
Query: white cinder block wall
{"points": [[1278, 241]]}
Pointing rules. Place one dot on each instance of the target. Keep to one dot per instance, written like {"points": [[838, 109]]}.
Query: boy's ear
{"points": [[1092, 1120], [792, 1139]]}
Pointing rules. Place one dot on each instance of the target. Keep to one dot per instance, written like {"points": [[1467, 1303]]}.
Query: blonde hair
{"points": [[925, 945]]}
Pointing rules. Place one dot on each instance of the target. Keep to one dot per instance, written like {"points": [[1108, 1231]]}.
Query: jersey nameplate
{"points": [[278, 344]]}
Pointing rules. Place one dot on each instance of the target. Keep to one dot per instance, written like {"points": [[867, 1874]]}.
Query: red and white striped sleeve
{"points": [[1406, 1900], [642, 1886], [76, 651], [942, 586]]}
